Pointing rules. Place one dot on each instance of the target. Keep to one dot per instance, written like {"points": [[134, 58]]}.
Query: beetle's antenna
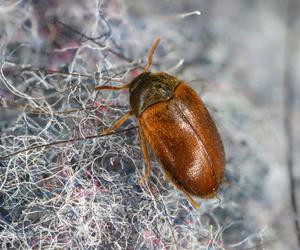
{"points": [[150, 54], [126, 86]]}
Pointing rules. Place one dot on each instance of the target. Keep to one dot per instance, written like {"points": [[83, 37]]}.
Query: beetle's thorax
{"points": [[150, 88]]}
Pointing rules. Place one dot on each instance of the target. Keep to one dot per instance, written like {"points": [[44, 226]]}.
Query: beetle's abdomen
{"points": [[184, 137]]}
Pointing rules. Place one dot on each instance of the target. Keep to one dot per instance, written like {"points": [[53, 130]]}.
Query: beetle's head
{"points": [[149, 88]]}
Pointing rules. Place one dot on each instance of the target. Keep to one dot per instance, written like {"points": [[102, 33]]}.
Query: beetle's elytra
{"points": [[176, 124]]}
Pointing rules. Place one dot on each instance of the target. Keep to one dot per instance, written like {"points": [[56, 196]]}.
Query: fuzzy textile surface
{"points": [[240, 56]]}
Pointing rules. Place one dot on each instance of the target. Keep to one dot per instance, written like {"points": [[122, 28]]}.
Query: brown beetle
{"points": [[176, 124]]}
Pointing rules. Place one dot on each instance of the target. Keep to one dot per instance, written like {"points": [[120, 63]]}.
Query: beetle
{"points": [[179, 129]]}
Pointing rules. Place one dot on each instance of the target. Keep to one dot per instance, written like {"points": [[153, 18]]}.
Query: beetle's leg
{"points": [[150, 54], [219, 199], [126, 86], [117, 124], [194, 203], [146, 158], [191, 199]]}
